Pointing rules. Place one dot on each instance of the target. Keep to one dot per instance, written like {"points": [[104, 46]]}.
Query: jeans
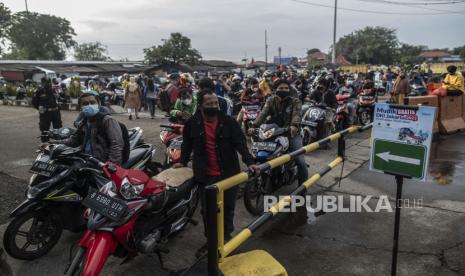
{"points": [[389, 85], [295, 143], [229, 205], [352, 106], [151, 103]]}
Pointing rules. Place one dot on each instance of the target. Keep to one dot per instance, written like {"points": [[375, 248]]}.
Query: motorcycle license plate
{"points": [[266, 146], [43, 168], [367, 98], [175, 144], [109, 207]]}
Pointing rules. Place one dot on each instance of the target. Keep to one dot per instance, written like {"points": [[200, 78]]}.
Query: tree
{"points": [[312, 51], [408, 54], [5, 20], [459, 51], [94, 51], [175, 50], [372, 45], [39, 36]]}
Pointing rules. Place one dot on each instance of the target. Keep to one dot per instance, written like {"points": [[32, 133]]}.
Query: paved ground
{"points": [[432, 240]]}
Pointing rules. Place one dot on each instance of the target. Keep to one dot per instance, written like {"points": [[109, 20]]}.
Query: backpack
{"points": [[124, 132]]}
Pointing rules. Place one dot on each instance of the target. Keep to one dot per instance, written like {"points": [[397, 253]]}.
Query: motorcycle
{"points": [[269, 142], [251, 111], [171, 137], [342, 112], [417, 90], [61, 177], [366, 106], [314, 124], [135, 135], [133, 214]]}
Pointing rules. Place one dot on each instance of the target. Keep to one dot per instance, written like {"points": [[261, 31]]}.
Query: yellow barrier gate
{"points": [[252, 264]]}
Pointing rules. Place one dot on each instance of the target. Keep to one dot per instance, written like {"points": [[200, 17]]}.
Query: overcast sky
{"points": [[230, 29]]}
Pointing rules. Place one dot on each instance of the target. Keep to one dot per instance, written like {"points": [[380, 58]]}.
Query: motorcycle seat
{"points": [[135, 156], [180, 179]]}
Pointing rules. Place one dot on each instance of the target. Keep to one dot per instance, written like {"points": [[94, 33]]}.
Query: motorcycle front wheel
{"points": [[364, 117], [31, 235], [254, 194]]}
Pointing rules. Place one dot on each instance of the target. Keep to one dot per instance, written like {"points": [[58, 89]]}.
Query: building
{"points": [[20, 70], [438, 56]]}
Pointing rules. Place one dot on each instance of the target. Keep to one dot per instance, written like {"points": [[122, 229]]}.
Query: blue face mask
{"points": [[90, 110]]}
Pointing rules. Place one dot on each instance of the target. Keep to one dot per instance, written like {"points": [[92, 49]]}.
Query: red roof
{"points": [[341, 60], [434, 54]]}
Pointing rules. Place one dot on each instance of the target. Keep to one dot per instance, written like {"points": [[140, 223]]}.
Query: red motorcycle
{"points": [[251, 110], [133, 214], [366, 106], [171, 136], [342, 112]]}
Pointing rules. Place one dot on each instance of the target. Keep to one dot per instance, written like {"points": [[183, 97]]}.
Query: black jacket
{"points": [[229, 139], [44, 98]]}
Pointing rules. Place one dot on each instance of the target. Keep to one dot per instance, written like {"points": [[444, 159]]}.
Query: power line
{"points": [[374, 12], [413, 5]]}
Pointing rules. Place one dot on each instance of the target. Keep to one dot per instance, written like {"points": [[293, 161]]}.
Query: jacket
{"points": [[132, 96], [401, 86], [229, 141], [44, 99], [454, 82], [103, 148], [180, 106], [284, 113], [263, 85]]}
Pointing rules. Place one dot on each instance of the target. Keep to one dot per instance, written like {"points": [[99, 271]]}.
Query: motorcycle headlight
{"points": [[129, 191], [264, 135]]}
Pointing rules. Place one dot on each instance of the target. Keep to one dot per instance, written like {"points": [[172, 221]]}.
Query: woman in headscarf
{"points": [[132, 98]]}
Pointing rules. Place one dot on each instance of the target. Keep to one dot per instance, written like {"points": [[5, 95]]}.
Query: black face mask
{"points": [[210, 111], [282, 94]]}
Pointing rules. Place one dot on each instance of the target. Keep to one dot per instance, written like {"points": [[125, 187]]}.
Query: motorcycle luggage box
{"points": [[174, 177]]}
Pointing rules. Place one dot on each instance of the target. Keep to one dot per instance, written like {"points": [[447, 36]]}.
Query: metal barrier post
{"points": [[341, 147], [212, 229]]}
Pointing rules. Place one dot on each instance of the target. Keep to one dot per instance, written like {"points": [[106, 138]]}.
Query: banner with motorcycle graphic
{"points": [[401, 139]]}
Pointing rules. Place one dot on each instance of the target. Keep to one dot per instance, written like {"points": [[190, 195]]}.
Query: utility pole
{"points": [[266, 52], [26, 6], [333, 58], [279, 54]]}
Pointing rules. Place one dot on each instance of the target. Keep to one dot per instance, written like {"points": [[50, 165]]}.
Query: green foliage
{"points": [[39, 36], [408, 54], [459, 51], [175, 50], [312, 51], [373, 45], [92, 51], [5, 20]]}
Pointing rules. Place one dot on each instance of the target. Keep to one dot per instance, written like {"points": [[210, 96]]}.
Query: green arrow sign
{"points": [[399, 158]]}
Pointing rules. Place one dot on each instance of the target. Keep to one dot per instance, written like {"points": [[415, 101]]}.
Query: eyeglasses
{"points": [[89, 102]]}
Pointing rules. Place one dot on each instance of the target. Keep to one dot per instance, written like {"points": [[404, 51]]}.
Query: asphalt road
{"points": [[432, 238]]}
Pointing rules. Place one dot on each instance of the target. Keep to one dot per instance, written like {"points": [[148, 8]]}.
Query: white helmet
{"points": [[267, 74]]}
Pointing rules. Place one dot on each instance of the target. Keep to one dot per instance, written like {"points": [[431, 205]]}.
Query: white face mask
{"points": [[187, 101]]}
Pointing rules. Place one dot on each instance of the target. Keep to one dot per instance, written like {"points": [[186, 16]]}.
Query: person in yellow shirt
{"points": [[266, 84], [453, 82]]}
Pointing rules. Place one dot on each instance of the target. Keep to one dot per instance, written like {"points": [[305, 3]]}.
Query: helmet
{"points": [[236, 78], [267, 74]]}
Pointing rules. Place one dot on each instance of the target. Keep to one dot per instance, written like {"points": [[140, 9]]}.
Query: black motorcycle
{"points": [[61, 177], [269, 142], [314, 124]]}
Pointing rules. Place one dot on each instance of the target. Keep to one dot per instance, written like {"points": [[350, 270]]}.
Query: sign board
{"points": [[401, 139]]}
